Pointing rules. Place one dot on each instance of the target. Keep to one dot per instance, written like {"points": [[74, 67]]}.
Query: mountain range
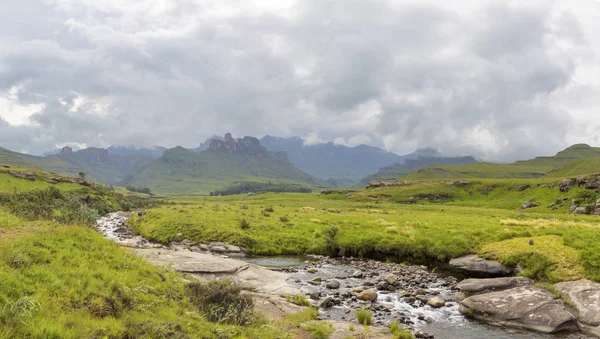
{"points": [[225, 164]]}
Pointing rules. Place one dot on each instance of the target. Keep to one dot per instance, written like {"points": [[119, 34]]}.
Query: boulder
{"points": [[580, 210], [368, 295], [585, 295], [493, 284], [233, 249], [333, 284], [326, 303], [436, 302], [529, 204], [565, 185], [357, 274], [477, 265], [218, 249], [391, 279], [527, 307]]}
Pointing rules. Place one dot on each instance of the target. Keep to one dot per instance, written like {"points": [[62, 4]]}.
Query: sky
{"points": [[500, 80]]}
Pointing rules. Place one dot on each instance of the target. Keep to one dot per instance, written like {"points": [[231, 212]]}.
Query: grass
{"points": [[398, 332], [364, 317], [427, 231]]}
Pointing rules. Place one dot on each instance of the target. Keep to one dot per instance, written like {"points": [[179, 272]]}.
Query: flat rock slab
{"points": [[527, 307], [191, 262], [492, 284], [206, 266], [585, 295], [474, 264]]}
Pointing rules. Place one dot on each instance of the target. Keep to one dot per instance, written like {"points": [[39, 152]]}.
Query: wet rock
{"points": [[327, 302], [493, 284], [422, 298], [368, 295], [436, 302], [333, 284], [312, 270], [475, 264], [585, 295], [357, 274], [527, 307], [315, 295]]}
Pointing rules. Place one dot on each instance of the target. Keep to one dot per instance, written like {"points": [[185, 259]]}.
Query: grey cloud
{"points": [[441, 79]]}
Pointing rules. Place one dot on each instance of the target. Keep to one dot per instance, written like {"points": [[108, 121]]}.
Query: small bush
{"points": [[265, 214], [284, 219], [244, 224], [220, 301], [244, 207], [269, 209], [364, 317], [298, 300]]}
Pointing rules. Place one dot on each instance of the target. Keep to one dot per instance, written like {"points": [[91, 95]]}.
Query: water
{"points": [[278, 261]]}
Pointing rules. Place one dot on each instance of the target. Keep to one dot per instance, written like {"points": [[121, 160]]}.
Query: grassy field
{"points": [[59, 278], [379, 223]]}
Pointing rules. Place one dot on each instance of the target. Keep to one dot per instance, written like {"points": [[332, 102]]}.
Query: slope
{"points": [[534, 168], [11, 158], [396, 171], [180, 171]]}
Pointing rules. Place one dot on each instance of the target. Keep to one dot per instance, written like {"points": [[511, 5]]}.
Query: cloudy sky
{"points": [[497, 79]]}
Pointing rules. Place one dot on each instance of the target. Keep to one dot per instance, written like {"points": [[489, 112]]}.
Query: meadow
{"points": [[428, 222]]}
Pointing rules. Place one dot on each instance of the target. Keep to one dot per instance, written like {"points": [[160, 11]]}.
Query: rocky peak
{"points": [[244, 146], [66, 150]]}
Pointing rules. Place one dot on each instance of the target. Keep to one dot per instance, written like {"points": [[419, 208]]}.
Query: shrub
{"points": [[220, 301], [265, 214], [244, 207], [284, 219], [331, 241], [244, 224], [269, 209], [364, 317]]}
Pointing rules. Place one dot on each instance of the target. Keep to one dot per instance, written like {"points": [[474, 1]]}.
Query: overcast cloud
{"points": [[496, 79]]}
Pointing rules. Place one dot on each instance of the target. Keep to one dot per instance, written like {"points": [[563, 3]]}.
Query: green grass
{"points": [[427, 231], [364, 317]]}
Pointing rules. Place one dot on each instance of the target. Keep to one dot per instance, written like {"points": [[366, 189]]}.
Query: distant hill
{"points": [[336, 162], [225, 163], [396, 171], [576, 160], [123, 151]]}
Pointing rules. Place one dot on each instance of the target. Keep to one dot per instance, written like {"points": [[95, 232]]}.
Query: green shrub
{"points": [[220, 301], [244, 224], [331, 240], [364, 317], [269, 209], [284, 219]]}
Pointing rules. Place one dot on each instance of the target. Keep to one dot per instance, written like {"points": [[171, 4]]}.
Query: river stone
{"points": [[326, 303], [368, 295], [475, 264], [391, 279], [421, 298], [585, 295], [357, 274], [233, 249], [493, 284], [333, 284], [528, 307], [436, 302], [218, 249], [312, 270]]}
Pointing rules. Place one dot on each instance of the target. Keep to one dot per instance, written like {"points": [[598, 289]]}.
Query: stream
{"points": [[311, 274]]}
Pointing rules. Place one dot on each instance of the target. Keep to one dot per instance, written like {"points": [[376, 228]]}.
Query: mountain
{"points": [[331, 161], [206, 144], [123, 151], [397, 170], [225, 163], [575, 160]]}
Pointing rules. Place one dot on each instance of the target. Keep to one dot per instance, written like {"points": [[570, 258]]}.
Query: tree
{"points": [[82, 176]]}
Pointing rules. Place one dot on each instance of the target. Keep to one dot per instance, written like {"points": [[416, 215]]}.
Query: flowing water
{"points": [[445, 322]]}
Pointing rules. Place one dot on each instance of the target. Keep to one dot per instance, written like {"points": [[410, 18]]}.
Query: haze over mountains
{"points": [[222, 164]]}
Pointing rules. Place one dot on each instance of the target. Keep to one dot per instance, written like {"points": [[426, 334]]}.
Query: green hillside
{"points": [[575, 160], [180, 171], [12, 159]]}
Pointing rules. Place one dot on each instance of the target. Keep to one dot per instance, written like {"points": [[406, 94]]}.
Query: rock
{"points": [[326, 303], [391, 279], [233, 249], [565, 185], [357, 274], [421, 298], [333, 284], [436, 302], [369, 282], [204, 247], [528, 307], [529, 204], [494, 284], [580, 210], [312, 270], [597, 208], [218, 249], [368, 295], [315, 295], [585, 295], [316, 279], [474, 264]]}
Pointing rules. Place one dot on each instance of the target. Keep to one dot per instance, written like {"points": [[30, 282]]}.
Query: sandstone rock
{"points": [[368, 295], [357, 274], [585, 295], [494, 284], [233, 249], [436, 302], [528, 307], [565, 185], [422, 298], [474, 264], [312, 270], [333, 284], [529, 204], [391, 279]]}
